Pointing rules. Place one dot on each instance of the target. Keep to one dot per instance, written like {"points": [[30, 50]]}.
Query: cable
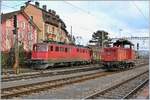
{"points": [[87, 12], [140, 11], [19, 4], [8, 6], [15, 6], [76, 7]]}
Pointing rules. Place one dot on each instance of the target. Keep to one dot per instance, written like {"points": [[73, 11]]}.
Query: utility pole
{"points": [[15, 32], [59, 28], [102, 39], [138, 49], [71, 30], [120, 33], [71, 34]]}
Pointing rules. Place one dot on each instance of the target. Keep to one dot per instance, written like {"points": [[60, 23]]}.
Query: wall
{"points": [[27, 34], [30, 10]]}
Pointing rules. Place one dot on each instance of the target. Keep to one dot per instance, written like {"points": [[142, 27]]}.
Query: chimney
{"points": [[22, 7], [57, 16], [53, 12], [50, 11], [37, 4], [26, 3], [45, 7]]}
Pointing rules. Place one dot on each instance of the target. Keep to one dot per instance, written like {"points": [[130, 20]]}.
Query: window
{"points": [[23, 25], [66, 49], [83, 51], [53, 30], [57, 49], [46, 28], [51, 48], [77, 50], [41, 47]]}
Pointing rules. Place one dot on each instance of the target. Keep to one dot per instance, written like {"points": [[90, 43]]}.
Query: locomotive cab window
{"points": [[41, 47]]}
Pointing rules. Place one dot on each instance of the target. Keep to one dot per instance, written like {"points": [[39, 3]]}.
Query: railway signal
{"points": [[15, 32], [137, 46]]}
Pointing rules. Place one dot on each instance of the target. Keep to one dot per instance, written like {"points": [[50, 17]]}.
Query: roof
{"points": [[62, 44], [123, 42], [6, 16]]}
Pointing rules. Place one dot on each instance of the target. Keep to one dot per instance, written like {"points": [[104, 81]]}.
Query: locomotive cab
{"points": [[120, 56], [40, 51], [39, 58]]}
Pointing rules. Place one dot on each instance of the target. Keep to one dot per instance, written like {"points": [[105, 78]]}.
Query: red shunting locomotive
{"points": [[120, 56]]}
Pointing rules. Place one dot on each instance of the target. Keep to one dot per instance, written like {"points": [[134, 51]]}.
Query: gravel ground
{"points": [[83, 89], [42, 79], [26, 71]]}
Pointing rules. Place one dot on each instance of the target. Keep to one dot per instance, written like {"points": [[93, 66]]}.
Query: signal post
{"points": [[15, 32]]}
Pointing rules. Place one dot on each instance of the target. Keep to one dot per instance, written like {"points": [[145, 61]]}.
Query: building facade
{"points": [[51, 26], [27, 30]]}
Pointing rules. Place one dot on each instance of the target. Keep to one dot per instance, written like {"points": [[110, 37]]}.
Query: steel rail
{"points": [[127, 96], [92, 96], [50, 72], [56, 72], [23, 89]]}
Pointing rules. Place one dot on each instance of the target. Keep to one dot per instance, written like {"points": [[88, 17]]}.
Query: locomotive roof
{"points": [[63, 44], [123, 42]]}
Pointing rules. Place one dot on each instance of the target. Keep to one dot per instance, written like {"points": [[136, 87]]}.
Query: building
{"points": [[50, 24], [27, 30]]}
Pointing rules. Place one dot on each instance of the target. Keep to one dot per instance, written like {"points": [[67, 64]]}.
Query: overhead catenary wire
{"points": [[140, 11], [8, 6], [87, 12], [15, 6]]}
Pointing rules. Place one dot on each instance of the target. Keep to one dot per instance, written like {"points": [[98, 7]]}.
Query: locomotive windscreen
{"points": [[40, 47]]}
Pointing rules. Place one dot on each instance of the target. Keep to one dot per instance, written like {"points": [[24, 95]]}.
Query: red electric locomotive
{"points": [[46, 55], [120, 56]]}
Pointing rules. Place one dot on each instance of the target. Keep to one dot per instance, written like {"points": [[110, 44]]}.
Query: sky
{"points": [[118, 18]]}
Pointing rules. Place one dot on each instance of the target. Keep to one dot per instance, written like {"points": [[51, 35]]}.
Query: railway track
{"points": [[55, 71], [45, 73], [130, 94], [25, 89], [122, 90]]}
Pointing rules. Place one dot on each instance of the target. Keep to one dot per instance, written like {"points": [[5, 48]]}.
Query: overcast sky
{"points": [[86, 17]]}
